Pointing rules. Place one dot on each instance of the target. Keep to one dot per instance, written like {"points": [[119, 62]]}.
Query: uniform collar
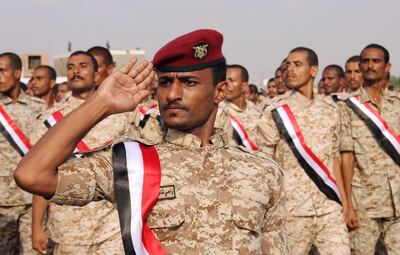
{"points": [[301, 100], [22, 98], [365, 98], [174, 136], [71, 101], [249, 105]]}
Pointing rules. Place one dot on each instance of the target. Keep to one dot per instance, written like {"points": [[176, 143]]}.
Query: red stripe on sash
{"points": [[14, 126], [150, 193], [243, 131], [384, 123], [300, 136]]}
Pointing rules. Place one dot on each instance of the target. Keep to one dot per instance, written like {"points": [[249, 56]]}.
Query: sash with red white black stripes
{"points": [[240, 134], [13, 134], [312, 165], [145, 114], [386, 137], [52, 121], [137, 177]]}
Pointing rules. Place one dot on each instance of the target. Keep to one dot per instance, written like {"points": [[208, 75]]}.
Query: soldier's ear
{"points": [[221, 89], [314, 71]]}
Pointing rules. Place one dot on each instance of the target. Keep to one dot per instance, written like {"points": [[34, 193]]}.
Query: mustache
{"points": [[174, 105], [77, 76], [370, 70]]}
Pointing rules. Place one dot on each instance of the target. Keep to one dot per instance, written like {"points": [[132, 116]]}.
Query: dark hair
{"points": [[388, 76], [243, 71], [271, 80], [15, 60], [339, 70], [355, 58], [277, 70], [50, 70], [92, 59], [312, 57], [98, 50], [379, 47], [219, 73], [253, 88]]}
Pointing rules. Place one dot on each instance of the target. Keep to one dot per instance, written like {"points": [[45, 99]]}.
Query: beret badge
{"points": [[200, 51]]}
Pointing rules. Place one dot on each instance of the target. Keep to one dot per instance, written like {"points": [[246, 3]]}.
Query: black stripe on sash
{"points": [[384, 143], [237, 138], [316, 179], [143, 122], [11, 140], [47, 124], [121, 186]]}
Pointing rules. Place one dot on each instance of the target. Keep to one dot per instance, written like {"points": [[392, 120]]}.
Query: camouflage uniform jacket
{"points": [[248, 117], [376, 181], [97, 221], [227, 200], [318, 120], [23, 113]]}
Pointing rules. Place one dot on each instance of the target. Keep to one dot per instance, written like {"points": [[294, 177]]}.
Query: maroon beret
{"points": [[196, 50]]}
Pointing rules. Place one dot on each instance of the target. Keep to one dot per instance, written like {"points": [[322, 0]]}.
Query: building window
{"points": [[34, 61]]}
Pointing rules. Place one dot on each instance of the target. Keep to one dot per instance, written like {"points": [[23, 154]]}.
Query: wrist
{"points": [[99, 103]]}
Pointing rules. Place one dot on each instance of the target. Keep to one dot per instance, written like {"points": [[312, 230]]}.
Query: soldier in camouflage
{"points": [[374, 185], [312, 218], [94, 228], [227, 199], [15, 204]]}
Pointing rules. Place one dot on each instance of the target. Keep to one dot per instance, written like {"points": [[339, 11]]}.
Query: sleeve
{"points": [[82, 180], [345, 132], [274, 234], [267, 134], [336, 134]]}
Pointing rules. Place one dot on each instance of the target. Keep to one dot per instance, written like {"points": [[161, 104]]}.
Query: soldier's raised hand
{"points": [[123, 90]]}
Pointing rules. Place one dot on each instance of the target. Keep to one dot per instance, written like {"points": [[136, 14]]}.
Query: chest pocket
{"points": [[167, 218], [248, 215]]}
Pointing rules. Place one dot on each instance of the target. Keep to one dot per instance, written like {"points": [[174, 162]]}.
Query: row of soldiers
{"points": [[272, 177]]}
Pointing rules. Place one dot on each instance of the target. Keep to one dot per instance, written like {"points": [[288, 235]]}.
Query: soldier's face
{"points": [[41, 83], [271, 88], [80, 73], [236, 88], [331, 81], [372, 65], [103, 70], [299, 70], [280, 83], [9, 78], [186, 99], [353, 75]]}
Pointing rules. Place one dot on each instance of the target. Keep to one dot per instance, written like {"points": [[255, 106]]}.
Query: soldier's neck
{"points": [[14, 92], [307, 90], [205, 132], [374, 91], [82, 94], [49, 98], [240, 102]]}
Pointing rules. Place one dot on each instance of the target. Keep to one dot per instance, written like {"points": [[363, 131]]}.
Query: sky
{"points": [[258, 34]]}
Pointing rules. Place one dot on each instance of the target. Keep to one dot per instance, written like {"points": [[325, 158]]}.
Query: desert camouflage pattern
{"points": [[227, 200], [23, 112], [318, 120], [365, 237], [248, 117], [265, 102], [97, 221], [332, 237], [152, 131], [376, 188], [111, 246], [14, 202]]}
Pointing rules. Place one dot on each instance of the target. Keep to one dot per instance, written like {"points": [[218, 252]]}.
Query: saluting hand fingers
{"points": [[128, 66]]}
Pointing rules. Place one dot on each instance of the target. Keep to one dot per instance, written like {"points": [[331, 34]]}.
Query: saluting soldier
{"points": [[301, 132], [210, 199]]}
